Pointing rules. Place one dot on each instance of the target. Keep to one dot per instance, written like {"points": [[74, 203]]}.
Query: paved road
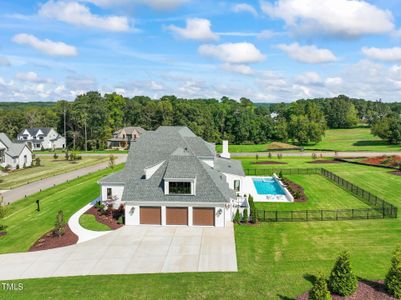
{"points": [[131, 250], [318, 153], [34, 187]]}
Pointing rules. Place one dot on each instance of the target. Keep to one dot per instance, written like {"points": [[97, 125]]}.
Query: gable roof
{"points": [[181, 152], [130, 130], [14, 149], [34, 131]]}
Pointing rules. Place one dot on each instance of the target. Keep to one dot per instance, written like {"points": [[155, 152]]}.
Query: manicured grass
{"points": [[26, 225], [49, 167], [84, 152], [89, 222], [275, 261], [321, 193], [355, 139]]}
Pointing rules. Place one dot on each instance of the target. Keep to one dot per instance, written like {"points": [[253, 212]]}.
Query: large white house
{"points": [[13, 154], [173, 177], [42, 138]]}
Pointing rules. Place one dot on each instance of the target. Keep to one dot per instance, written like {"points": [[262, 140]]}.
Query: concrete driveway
{"points": [[131, 250]]}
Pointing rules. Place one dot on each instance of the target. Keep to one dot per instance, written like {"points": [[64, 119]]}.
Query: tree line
{"points": [[91, 118]]}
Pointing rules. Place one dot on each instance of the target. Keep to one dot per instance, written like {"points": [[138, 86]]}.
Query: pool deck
{"points": [[251, 190]]}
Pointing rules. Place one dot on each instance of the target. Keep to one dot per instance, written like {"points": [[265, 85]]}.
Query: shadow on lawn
{"points": [[309, 277], [372, 143]]}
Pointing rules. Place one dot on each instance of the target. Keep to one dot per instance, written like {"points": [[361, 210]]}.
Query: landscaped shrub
{"points": [[37, 162], [60, 224], [55, 156], [3, 227], [117, 213], [393, 277], [3, 208], [17, 167], [281, 175], [320, 290], [245, 216], [342, 280], [237, 217], [67, 156], [112, 161], [252, 209]]}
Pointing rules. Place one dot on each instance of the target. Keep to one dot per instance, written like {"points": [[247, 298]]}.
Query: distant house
{"points": [[122, 138], [42, 138], [14, 154]]}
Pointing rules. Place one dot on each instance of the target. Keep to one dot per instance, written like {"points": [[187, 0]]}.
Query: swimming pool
{"points": [[267, 186]]}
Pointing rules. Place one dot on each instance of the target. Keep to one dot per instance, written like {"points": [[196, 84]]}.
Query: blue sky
{"points": [[268, 51]]}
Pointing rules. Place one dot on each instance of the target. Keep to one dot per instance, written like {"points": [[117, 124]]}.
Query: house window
{"points": [[25, 159], [182, 188], [237, 185], [109, 193], [2, 156], [41, 138], [37, 145]]}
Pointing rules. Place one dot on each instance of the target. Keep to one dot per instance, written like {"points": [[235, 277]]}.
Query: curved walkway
{"points": [[82, 233]]}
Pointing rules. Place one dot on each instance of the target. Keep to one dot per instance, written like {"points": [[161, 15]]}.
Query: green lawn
{"points": [[275, 260], [89, 222], [84, 152], [355, 139], [49, 167], [322, 194], [26, 225]]}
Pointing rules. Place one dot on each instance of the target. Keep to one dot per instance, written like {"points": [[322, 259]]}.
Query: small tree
{"points": [[112, 161], [37, 162], [319, 290], [281, 175], [55, 156], [67, 155], [270, 155], [245, 216], [342, 280], [3, 208], [393, 277], [59, 226], [237, 217]]}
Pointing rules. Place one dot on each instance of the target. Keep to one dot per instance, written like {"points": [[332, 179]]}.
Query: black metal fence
{"points": [[379, 208]]}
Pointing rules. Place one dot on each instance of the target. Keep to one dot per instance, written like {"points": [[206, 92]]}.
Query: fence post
{"points": [[276, 216], [321, 214], [352, 213], [264, 215], [307, 215]]}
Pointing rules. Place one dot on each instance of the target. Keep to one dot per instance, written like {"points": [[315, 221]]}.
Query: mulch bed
{"points": [[389, 161], [324, 161], [49, 241], [268, 163], [367, 290], [3, 233], [294, 189], [397, 173], [106, 220]]}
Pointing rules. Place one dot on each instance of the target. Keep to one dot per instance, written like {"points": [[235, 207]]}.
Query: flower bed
{"points": [[51, 241], [296, 190], [268, 163], [106, 219], [388, 161]]}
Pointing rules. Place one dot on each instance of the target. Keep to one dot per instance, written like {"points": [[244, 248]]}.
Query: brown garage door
{"points": [[177, 216], [150, 215], [203, 216]]}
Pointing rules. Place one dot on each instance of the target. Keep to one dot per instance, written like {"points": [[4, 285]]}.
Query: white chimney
{"points": [[225, 153]]}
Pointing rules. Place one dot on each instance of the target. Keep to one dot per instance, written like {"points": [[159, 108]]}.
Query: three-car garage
{"points": [[187, 216]]}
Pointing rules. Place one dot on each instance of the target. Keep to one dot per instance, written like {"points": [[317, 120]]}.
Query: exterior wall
{"points": [[59, 143], [21, 159], [230, 180], [116, 191], [222, 214]]}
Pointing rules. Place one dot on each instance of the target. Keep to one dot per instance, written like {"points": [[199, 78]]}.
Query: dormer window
{"points": [[181, 188]]}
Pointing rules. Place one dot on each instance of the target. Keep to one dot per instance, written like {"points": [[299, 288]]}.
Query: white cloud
{"points": [[4, 61], [333, 81], [233, 53], [196, 29], [78, 14], [156, 4], [383, 54], [265, 35], [28, 76], [308, 54], [343, 18], [241, 69], [46, 46], [309, 78], [244, 7]]}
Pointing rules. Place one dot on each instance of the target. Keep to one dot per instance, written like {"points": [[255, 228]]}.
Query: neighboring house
{"points": [[42, 138], [14, 154], [122, 138], [173, 177]]}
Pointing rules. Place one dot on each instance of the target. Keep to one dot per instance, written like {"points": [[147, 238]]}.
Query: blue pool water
{"points": [[267, 186]]}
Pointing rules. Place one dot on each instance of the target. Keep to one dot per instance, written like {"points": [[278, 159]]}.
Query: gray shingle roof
{"points": [[182, 151], [34, 131], [229, 166], [14, 149]]}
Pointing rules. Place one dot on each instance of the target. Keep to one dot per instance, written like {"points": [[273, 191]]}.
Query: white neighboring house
{"points": [[42, 138], [14, 154], [173, 177]]}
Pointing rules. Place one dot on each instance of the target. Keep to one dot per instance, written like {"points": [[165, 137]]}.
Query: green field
{"points": [[275, 260], [26, 225], [89, 222], [321, 193], [356, 139], [49, 167]]}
